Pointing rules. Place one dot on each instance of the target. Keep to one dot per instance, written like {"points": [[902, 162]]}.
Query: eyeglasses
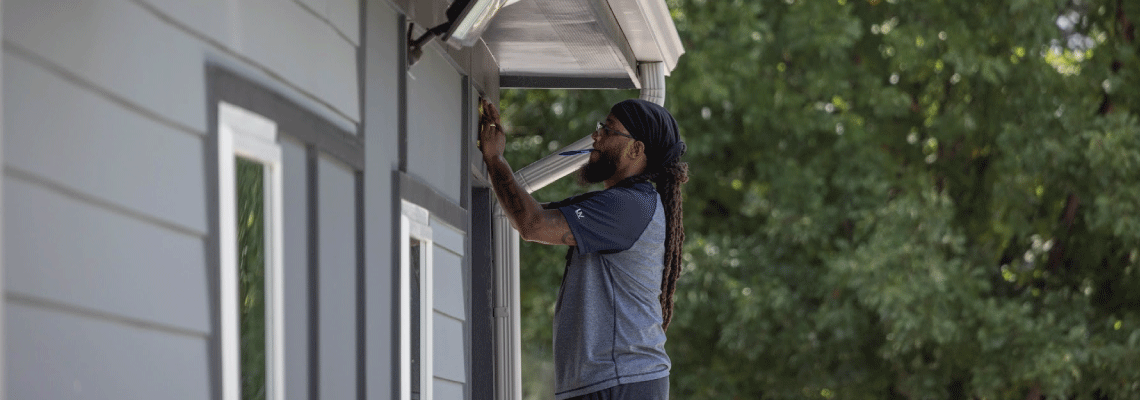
{"points": [[602, 127]]}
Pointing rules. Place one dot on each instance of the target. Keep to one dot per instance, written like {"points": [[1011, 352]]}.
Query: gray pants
{"points": [[657, 389]]}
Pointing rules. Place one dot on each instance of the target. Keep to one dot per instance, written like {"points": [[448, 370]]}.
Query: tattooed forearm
{"points": [[512, 197], [534, 223]]}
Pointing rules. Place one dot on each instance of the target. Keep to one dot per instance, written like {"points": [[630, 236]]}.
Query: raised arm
{"points": [[534, 223]]}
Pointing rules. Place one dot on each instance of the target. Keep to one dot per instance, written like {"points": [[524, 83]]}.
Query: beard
{"points": [[597, 171]]}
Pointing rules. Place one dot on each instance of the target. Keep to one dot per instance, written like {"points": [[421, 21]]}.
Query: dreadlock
{"points": [[668, 180], [668, 184]]}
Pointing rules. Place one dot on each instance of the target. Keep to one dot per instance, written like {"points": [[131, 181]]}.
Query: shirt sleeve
{"points": [[610, 220]]}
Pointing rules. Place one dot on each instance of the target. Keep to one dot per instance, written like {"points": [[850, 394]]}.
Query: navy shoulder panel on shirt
{"points": [[610, 220]]}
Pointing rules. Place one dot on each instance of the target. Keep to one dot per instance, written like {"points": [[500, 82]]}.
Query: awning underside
{"points": [[563, 44]]}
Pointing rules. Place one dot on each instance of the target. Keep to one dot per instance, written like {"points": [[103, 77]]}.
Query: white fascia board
{"points": [[649, 28]]}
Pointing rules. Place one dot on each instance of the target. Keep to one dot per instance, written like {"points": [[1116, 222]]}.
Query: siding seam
{"points": [[448, 315], [238, 55], [107, 205], [448, 249], [62, 73], [327, 21], [74, 310], [437, 377]]}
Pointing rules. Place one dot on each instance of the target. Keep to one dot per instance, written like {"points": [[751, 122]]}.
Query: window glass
{"points": [[250, 189], [414, 311]]}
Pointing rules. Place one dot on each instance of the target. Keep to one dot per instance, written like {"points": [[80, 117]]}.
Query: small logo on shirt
{"points": [[578, 212]]}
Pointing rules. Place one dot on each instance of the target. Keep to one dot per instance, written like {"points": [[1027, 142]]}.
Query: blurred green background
{"points": [[889, 200]]}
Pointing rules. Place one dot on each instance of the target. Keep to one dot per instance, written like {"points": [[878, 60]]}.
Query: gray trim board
{"points": [[361, 69], [402, 85], [213, 238], [411, 189], [467, 128], [482, 285], [395, 287], [361, 299], [312, 159], [291, 118], [554, 82]]}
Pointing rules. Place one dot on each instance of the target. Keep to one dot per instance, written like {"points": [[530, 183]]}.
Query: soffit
{"points": [[580, 44]]}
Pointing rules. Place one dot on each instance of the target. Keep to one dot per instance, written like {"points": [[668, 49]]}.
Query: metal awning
{"points": [[581, 44]]}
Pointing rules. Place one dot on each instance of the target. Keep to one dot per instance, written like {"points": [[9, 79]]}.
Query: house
{"points": [[203, 199]]}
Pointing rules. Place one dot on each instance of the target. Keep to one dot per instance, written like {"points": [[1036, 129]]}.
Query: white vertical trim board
{"points": [[275, 277], [405, 319], [227, 249], [246, 134], [508, 325], [415, 223]]}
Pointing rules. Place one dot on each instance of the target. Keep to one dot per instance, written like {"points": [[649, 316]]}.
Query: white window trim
{"points": [[415, 222], [246, 134]]}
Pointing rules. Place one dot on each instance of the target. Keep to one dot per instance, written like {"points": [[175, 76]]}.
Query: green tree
{"points": [[889, 199], [250, 189]]}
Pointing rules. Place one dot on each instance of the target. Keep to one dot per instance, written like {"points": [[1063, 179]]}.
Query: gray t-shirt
{"points": [[607, 323]]}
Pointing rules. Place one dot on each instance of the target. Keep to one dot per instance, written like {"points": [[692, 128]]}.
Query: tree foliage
{"points": [[889, 199], [250, 223]]}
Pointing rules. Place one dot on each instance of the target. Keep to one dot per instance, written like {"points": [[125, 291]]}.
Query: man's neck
{"points": [[620, 176]]}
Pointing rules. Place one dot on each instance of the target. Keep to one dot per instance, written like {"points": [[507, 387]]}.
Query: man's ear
{"points": [[637, 149]]}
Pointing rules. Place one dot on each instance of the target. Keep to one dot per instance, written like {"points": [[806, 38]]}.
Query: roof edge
{"points": [[652, 18]]}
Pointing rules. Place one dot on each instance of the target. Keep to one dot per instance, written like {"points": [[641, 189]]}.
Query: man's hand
{"points": [[492, 140]]}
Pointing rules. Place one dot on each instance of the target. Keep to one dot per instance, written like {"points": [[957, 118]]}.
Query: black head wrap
{"points": [[651, 124]]}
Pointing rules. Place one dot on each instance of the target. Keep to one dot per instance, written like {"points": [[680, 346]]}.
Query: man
{"points": [[616, 299]]}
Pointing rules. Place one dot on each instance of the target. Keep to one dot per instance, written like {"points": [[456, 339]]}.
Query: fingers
{"points": [[490, 113], [484, 110], [489, 117], [491, 135]]}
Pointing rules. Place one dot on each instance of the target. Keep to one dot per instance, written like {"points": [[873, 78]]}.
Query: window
{"points": [[250, 216], [415, 302], [434, 333]]}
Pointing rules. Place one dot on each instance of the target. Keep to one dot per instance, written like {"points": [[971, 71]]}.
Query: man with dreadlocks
{"points": [[616, 298]]}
